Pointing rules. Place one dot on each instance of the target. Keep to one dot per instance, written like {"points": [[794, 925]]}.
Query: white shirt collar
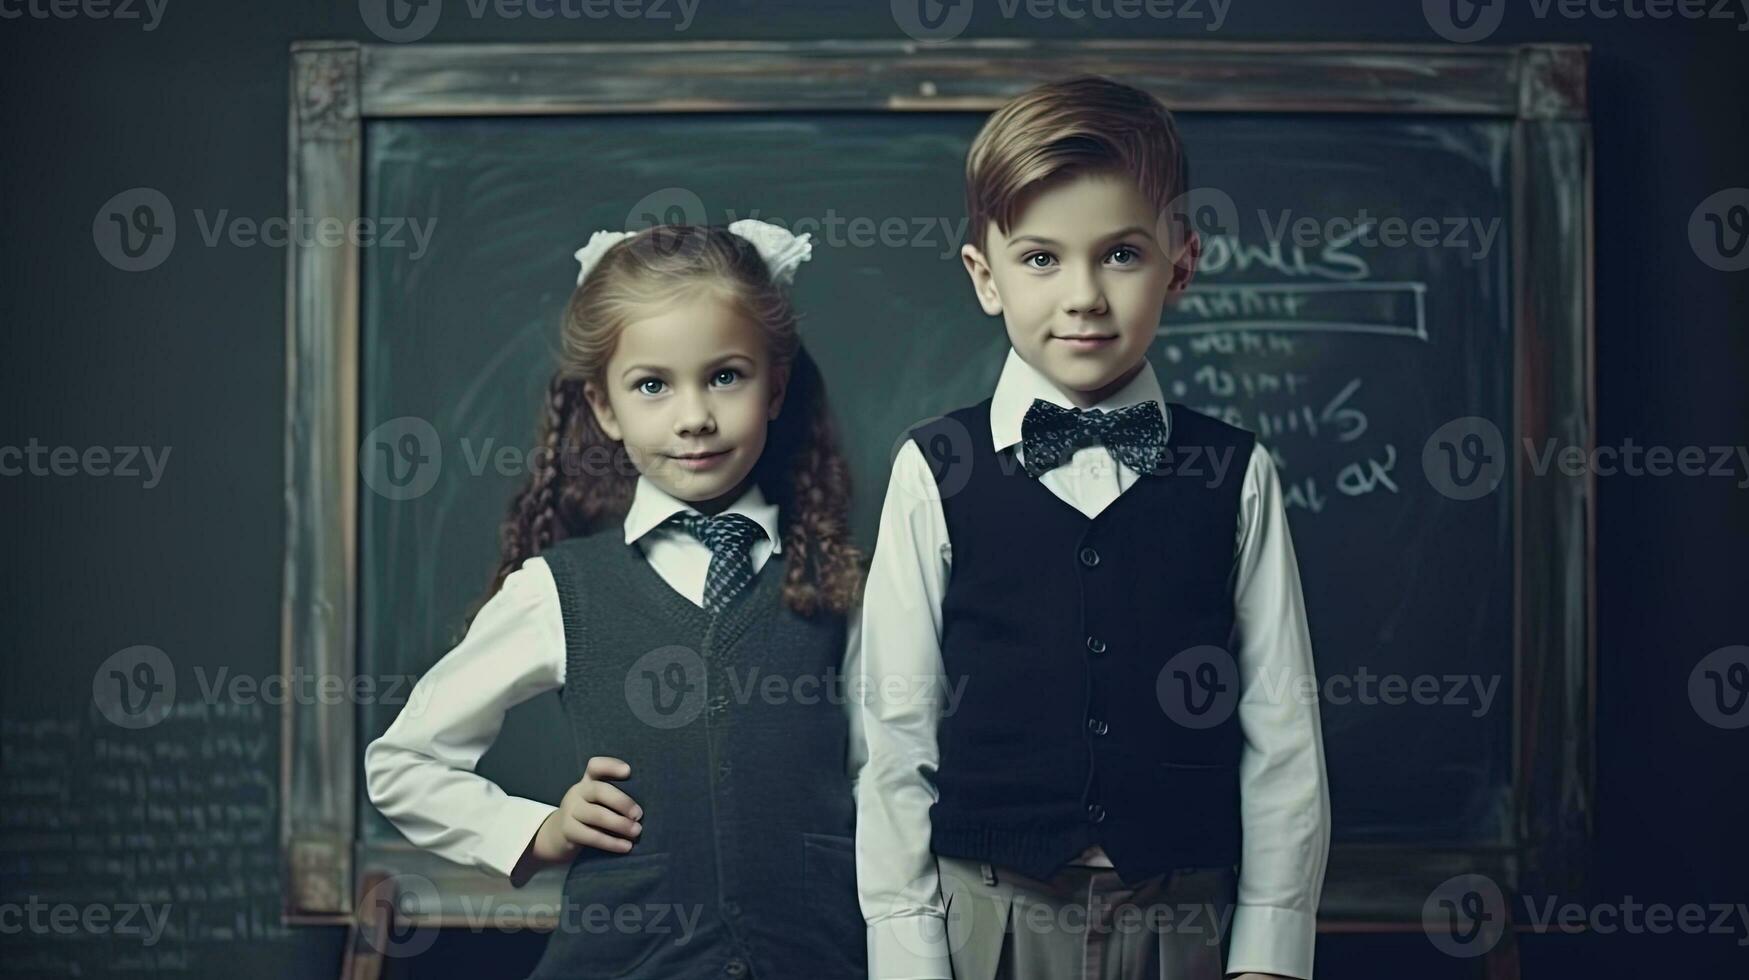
{"points": [[651, 505], [1020, 383]]}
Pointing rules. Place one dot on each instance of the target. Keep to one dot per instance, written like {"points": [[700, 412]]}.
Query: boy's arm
{"points": [[856, 752], [1285, 799], [420, 773], [899, 683]]}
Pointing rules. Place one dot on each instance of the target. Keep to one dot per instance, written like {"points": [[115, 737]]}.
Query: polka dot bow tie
{"points": [[1050, 434], [730, 538]]}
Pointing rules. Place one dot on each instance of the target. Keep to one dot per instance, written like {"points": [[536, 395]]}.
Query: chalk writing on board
{"points": [[144, 851], [1397, 309], [1316, 430]]}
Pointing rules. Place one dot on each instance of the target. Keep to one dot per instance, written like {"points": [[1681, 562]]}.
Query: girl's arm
{"points": [[420, 773]]}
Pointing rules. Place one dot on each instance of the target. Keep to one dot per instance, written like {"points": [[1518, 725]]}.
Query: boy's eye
{"points": [[726, 376], [1131, 256], [1046, 256], [649, 386]]}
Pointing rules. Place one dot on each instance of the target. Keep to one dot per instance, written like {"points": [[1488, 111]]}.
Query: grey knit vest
{"points": [[735, 727]]}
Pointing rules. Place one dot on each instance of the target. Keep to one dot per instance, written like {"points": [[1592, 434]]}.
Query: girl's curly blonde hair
{"points": [[585, 479]]}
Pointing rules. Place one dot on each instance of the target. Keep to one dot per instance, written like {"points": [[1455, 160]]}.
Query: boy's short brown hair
{"points": [[1085, 124]]}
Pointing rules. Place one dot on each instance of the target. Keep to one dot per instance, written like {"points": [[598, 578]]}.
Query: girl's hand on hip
{"points": [[594, 813]]}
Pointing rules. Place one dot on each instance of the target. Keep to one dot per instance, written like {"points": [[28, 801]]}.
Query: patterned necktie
{"points": [[1050, 434], [730, 538]]}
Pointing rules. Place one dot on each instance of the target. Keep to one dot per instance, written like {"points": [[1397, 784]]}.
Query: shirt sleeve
{"points": [[857, 754], [420, 773], [899, 683], [1284, 793]]}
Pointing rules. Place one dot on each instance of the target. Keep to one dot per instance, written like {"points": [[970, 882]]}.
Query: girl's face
{"points": [[690, 389]]}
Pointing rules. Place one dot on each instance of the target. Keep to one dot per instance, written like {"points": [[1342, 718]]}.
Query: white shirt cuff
{"points": [[909, 947], [1267, 939], [514, 828]]}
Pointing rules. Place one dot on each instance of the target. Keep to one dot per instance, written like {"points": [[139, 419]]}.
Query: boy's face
{"points": [[689, 389], [1080, 281]]}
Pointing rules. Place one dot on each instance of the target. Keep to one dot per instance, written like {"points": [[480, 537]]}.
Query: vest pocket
{"points": [[616, 915], [829, 890]]}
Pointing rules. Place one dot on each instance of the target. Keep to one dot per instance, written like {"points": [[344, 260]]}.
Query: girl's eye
{"points": [[726, 376], [1132, 256], [649, 386], [1028, 260]]}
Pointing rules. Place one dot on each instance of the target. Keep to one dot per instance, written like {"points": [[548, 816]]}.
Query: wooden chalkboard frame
{"points": [[336, 87]]}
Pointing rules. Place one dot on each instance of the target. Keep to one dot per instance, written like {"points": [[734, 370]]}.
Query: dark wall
{"points": [[189, 358]]}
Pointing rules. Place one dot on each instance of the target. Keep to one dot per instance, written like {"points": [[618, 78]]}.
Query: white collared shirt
{"points": [[420, 773], [1286, 804]]}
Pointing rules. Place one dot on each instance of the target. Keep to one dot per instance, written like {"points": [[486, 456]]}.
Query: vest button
{"points": [[723, 770], [1096, 644], [732, 908], [1095, 813], [1097, 727], [1089, 557], [735, 968]]}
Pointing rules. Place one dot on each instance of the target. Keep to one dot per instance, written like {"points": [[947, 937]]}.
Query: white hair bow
{"points": [[782, 251], [598, 245]]}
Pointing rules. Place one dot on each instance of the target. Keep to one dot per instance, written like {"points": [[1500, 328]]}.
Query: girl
{"points": [[680, 569]]}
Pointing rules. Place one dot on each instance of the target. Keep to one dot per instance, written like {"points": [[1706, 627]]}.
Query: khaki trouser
{"points": [[1085, 923]]}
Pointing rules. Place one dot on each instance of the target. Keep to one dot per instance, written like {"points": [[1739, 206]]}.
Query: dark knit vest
{"points": [[734, 726], [1061, 629]]}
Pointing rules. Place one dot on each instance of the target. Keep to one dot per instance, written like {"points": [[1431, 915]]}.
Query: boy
{"points": [[1105, 753]]}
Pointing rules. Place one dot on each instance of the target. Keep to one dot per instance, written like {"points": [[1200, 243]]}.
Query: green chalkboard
{"points": [[1342, 350]]}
